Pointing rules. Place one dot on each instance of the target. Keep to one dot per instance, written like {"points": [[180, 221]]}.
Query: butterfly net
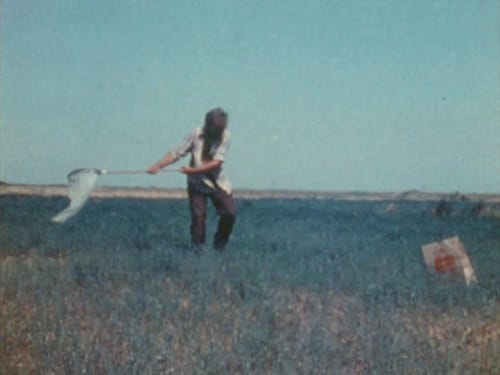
{"points": [[80, 185]]}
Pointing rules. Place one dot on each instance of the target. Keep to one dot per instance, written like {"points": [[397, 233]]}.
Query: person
{"points": [[207, 146]]}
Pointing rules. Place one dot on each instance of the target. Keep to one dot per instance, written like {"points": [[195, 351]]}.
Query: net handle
{"points": [[105, 171]]}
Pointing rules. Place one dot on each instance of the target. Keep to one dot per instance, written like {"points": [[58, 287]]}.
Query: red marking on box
{"points": [[444, 263]]}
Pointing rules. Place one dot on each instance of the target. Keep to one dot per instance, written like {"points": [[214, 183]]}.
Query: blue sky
{"points": [[322, 95]]}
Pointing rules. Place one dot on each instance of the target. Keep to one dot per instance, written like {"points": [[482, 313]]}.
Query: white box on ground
{"points": [[449, 256]]}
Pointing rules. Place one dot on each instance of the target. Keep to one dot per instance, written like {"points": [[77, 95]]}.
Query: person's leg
{"points": [[226, 209], [198, 206]]}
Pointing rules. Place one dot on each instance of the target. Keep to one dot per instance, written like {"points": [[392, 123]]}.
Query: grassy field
{"points": [[305, 287]]}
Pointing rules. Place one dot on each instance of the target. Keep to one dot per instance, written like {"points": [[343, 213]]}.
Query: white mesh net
{"points": [[80, 185]]}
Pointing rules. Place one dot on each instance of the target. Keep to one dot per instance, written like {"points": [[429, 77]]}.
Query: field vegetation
{"points": [[305, 287]]}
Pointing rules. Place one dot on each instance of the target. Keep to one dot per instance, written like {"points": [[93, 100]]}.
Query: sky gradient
{"points": [[322, 95]]}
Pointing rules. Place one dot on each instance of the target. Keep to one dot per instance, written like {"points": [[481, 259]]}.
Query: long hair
{"points": [[215, 123]]}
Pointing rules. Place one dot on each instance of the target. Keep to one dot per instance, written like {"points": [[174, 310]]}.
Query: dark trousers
{"points": [[226, 210]]}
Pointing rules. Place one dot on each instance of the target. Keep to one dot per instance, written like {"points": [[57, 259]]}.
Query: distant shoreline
{"points": [[162, 193]]}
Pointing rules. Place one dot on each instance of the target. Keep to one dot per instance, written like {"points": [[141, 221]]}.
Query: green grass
{"points": [[305, 287]]}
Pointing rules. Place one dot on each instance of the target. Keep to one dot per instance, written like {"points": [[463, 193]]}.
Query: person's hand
{"points": [[154, 169], [187, 170]]}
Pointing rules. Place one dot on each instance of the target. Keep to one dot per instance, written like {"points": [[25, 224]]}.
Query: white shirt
{"points": [[194, 144]]}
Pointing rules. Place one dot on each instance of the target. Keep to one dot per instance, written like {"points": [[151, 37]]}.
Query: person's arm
{"points": [[206, 167], [173, 156], [217, 161], [165, 161]]}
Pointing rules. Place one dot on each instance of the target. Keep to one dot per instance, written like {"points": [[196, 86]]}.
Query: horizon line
{"points": [[152, 192]]}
